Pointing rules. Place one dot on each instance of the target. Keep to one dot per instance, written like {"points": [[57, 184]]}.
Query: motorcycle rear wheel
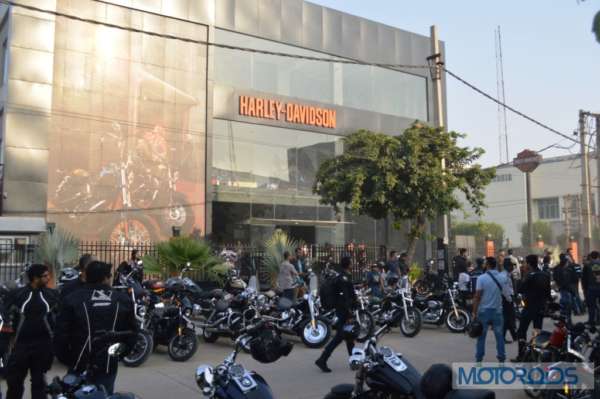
{"points": [[144, 345], [209, 337], [183, 347], [410, 327], [457, 324]]}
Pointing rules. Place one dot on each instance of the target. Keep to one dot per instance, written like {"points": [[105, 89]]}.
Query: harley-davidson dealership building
{"points": [[122, 123]]}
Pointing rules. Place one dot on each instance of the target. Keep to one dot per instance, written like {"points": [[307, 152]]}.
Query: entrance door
{"points": [[306, 234]]}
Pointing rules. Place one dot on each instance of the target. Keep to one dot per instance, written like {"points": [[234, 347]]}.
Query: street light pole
{"points": [[586, 226]]}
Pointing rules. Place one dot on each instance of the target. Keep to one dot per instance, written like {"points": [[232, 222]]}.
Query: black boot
{"points": [[522, 347], [322, 364]]}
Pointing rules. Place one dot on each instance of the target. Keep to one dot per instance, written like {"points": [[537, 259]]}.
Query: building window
{"points": [[502, 178], [548, 208]]}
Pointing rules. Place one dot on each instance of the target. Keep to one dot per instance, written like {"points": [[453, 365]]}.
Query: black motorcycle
{"points": [[230, 380], [443, 307], [397, 309], [79, 385], [301, 318]]}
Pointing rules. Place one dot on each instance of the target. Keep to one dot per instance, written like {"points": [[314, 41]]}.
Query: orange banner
{"points": [[489, 248]]}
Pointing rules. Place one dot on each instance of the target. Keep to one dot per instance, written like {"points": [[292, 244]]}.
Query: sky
{"points": [[551, 63]]}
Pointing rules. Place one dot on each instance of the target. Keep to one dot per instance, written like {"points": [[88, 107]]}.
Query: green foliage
{"points": [[275, 246], [415, 272], [57, 249], [174, 254], [539, 228], [402, 177], [480, 230]]}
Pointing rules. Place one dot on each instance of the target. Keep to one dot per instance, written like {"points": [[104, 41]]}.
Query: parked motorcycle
{"points": [[231, 380], [443, 307], [397, 309], [79, 385], [301, 318]]}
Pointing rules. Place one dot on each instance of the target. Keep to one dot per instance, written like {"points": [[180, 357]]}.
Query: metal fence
{"points": [[14, 257]]}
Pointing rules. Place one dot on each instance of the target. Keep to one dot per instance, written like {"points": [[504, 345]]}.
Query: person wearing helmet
{"points": [[75, 284], [344, 303]]}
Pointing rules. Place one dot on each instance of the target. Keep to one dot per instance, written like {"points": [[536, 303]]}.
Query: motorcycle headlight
{"points": [[205, 378]]}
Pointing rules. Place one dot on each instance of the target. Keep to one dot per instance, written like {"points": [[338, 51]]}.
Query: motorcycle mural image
{"points": [[126, 157]]}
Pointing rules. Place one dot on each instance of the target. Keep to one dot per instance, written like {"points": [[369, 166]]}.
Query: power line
{"points": [[521, 114]]}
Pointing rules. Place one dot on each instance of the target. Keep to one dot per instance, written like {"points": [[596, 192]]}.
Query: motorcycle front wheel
{"points": [[183, 347], [367, 325], [411, 325], [144, 345], [318, 336], [458, 322]]}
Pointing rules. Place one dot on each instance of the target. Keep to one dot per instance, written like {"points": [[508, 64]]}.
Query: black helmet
{"points": [[175, 284], [392, 279], [268, 346], [475, 329]]}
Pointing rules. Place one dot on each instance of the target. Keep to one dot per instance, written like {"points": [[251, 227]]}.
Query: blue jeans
{"points": [[494, 318], [566, 304]]}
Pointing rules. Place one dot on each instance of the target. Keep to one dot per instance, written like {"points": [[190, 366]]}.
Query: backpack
{"points": [[328, 293]]}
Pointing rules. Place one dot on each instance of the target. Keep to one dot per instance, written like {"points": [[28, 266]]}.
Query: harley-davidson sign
{"points": [[290, 112], [527, 161]]}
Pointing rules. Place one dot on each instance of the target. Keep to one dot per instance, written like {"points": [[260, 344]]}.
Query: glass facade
{"points": [[127, 143], [362, 87]]}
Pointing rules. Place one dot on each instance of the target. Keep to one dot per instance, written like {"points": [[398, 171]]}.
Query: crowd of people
{"points": [[49, 326], [497, 282]]}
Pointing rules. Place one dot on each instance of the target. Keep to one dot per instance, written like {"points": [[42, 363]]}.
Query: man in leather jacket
{"points": [[88, 314], [591, 285], [344, 303], [31, 309]]}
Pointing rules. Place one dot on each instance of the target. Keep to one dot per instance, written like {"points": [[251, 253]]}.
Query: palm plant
{"points": [[174, 254], [57, 249], [275, 247]]}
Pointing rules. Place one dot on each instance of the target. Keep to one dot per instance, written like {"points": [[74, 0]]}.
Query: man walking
{"points": [[459, 263], [591, 285], [90, 313], [487, 308], [393, 265], [33, 305], [563, 276], [287, 277], [535, 288], [345, 301]]}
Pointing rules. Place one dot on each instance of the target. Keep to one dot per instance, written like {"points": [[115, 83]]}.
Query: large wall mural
{"points": [[127, 147]]}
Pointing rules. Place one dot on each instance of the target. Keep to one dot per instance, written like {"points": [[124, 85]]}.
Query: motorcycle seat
{"points": [[216, 293], [284, 304]]}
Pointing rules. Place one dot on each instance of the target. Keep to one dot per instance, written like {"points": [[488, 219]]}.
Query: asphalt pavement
{"points": [[296, 376]]}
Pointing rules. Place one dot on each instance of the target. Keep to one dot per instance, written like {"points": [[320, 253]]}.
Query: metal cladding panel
{"points": [[25, 65], [203, 11], [27, 130], [393, 125], [332, 31], [26, 164], [30, 94], [177, 9], [225, 13], [352, 39], [32, 33], [369, 46], [269, 19], [312, 26], [386, 41], [291, 26], [246, 16], [24, 196]]}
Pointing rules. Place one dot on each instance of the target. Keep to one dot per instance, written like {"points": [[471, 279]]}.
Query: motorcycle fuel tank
{"points": [[261, 390], [406, 382]]}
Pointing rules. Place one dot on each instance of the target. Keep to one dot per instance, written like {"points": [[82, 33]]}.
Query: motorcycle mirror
{"points": [[115, 349]]}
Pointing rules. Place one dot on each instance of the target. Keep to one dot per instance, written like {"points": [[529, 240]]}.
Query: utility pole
{"points": [[567, 212], [586, 226], [529, 210], [597, 170], [438, 62]]}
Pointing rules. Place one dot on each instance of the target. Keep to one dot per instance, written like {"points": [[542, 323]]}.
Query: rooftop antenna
{"points": [[502, 120]]}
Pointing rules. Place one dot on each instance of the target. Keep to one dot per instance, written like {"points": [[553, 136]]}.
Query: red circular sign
{"points": [[527, 160]]}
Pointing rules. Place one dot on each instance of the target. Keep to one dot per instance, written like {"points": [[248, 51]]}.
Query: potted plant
{"points": [[57, 249]]}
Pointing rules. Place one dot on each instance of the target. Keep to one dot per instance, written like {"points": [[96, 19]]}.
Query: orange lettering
{"points": [[259, 108], [243, 105], [319, 117], [279, 106], [311, 115], [289, 113], [325, 119], [332, 118], [272, 109], [251, 106]]}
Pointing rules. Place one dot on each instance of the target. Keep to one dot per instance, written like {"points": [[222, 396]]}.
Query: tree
{"points": [[401, 177], [540, 228], [57, 249], [481, 230], [596, 26]]}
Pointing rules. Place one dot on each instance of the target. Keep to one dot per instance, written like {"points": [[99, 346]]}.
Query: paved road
{"points": [[296, 377]]}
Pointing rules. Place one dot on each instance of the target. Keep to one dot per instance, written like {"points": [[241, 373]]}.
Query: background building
{"points": [[120, 135]]}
